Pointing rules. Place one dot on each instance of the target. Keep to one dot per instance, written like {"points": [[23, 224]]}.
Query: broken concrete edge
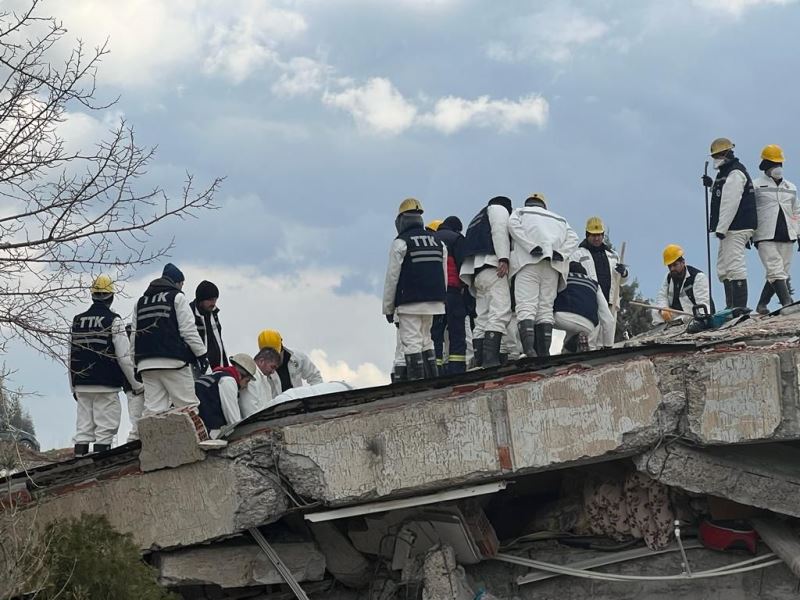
{"points": [[171, 439]]}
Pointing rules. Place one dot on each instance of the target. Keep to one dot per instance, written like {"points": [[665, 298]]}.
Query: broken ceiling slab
{"points": [[169, 439], [764, 475]]}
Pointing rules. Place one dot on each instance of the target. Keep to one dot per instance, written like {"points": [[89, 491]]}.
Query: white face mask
{"points": [[776, 173], [718, 162]]}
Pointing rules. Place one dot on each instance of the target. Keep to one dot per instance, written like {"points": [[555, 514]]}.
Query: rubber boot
{"points": [[431, 368], [455, 367], [726, 283], [763, 301], [100, 447], [491, 349], [400, 374], [415, 366], [527, 335], [477, 351], [81, 449], [503, 359], [782, 289], [739, 293], [544, 335]]}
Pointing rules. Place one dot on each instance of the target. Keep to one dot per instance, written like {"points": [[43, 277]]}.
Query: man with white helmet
{"points": [[100, 364], [778, 224], [218, 393], [684, 288]]}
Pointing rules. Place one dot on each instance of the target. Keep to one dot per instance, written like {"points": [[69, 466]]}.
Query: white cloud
{"points": [[364, 375], [737, 8], [377, 106], [302, 76]]}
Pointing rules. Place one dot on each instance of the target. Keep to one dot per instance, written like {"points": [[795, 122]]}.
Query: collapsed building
{"points": [[668, 466]]}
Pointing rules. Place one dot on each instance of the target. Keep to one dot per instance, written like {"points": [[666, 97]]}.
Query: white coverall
{"points": [[664, 298], [584, 256], [573, 323], [257, 395], [492, 293], [415, 318], [229, 402], [99, 408], [169, 381], [730, 257], [771, 199], [537, 279], [135, 408]]}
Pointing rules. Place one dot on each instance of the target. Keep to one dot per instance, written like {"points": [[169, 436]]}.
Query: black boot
{"points": [[100, 447], [477, 351], [455, 367], [726, 283], [503, 359], [782, 289], [544, 335], [415, 366], [739, 293], [400, 374], [766, 295], [81, 449], [527, 335], [431, 368], [491, 349]]}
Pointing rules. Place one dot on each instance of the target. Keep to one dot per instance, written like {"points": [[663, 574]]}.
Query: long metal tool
{"points": [[615, 299], [651, 307], [708, 239], [278, 563]]}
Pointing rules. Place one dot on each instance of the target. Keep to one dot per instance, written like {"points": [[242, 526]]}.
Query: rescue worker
{"points": [[206, 316], [684, 288], [580, 308], [99, 364], [415, 288], [733, 219], [485, 270], [218, 393], [261, 390], [542, 241], [778, 213], [166, 344], [294, 367], [601, 263], [135, 401], [454, 320]]}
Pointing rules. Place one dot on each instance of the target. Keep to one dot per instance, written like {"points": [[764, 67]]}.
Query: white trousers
{"points": [[415, 333], [730, 257], [511, 344], [165, 388], [135, 408], [399, 357], [535, 289], [776, 258], [98, 417], [573, 323], [492, 302]]}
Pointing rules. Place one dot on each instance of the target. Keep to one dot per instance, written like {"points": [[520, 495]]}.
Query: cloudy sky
{"points": [[324, 114]]}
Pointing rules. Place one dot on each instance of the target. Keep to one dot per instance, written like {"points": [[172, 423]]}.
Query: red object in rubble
{"points": [[728, 535]]}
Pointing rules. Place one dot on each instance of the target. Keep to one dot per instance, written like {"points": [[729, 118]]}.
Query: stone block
{"points": [[169, 439]]}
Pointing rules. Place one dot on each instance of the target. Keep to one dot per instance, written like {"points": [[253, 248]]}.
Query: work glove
{"points": [[707, 181], [557, 257], [201, 363], [720, 236], [537, 251], [389, 319], [621, 269], [666, 315]]}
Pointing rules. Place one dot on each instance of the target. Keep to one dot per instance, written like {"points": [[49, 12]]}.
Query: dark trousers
{"points": [[453, 323]]}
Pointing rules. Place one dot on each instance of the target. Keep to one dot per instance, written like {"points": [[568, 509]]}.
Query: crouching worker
{"points": [[218, 393], [684, 288], [580, 308]]}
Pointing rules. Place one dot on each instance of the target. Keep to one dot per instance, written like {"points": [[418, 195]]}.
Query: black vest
{"points": [[688, 288], [422, 273], [206, 388], [157, 333], [479, 235], [745, 217], [579, 297], [92, 357], [216, 349]]}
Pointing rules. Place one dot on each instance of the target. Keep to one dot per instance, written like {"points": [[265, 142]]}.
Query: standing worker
{"points": [[166, 344], [415, 288], [218, 393], [454, 320], [543, 241], [294, 367], [778, 213], [485, 270], [580, 308], [99, 364], [684, 288], [206, 317], [600, 263], [733, 219]]}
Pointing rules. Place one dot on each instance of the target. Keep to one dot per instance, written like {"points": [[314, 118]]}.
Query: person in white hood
{"points": [[542, 241]]}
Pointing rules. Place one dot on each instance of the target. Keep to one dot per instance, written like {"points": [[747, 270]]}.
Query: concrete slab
{"points": [[169, 439]]}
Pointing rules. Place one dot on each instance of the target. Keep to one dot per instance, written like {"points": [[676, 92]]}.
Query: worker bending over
{"points": [[684, 288], [294, 368], [218, 393], [580, 308]]}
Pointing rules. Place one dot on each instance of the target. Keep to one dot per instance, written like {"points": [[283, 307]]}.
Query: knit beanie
{"points": [[173, 273], [206, 291]]}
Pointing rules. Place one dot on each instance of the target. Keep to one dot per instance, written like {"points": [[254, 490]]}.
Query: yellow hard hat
{"points": [[269, 338], [595, 225], [410, 205], [537, 196], [672, 253], [434, 225], [721, 145], [772, 153], [102, 285]]}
